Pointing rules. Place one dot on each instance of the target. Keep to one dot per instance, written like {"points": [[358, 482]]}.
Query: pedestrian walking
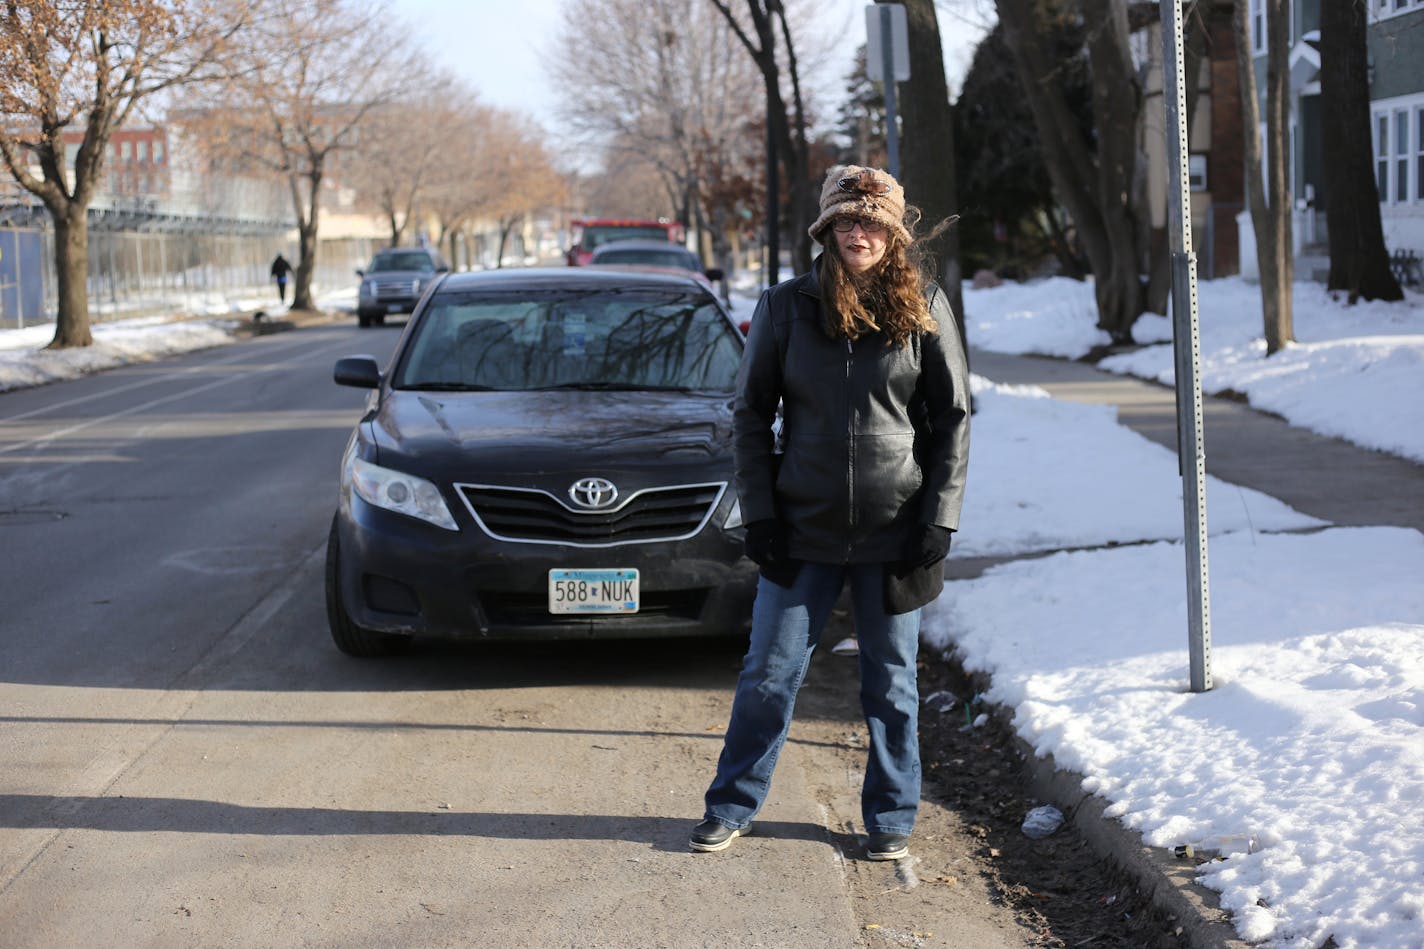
{"points": [[864, 357], [281, 270]]}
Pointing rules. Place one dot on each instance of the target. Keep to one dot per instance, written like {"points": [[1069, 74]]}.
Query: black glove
{"points": [[766, 542], [767, 546], [928, 546]]}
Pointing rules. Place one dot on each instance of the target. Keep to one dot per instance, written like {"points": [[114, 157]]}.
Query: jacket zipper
{"points": [[850, 441]]}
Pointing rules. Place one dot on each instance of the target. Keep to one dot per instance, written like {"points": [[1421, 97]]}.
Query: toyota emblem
{"points": [[593, 492]]}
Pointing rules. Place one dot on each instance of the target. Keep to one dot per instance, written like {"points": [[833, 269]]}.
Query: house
{"points": [[1396, 60]]}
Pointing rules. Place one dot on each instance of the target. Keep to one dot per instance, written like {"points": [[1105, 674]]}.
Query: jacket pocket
{"points": [[887, 481]]}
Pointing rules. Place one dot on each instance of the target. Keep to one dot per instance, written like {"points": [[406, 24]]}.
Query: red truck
{"points": [[591, 232]]}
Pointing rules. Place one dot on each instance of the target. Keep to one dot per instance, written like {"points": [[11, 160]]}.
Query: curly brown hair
{"points": [[889, 297]]}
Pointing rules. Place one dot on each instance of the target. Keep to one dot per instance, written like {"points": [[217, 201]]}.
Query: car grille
{"points": [[400, 288], [533, 516]]}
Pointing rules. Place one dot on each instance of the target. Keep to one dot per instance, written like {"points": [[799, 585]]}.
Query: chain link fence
{"points": [[139, 273]]}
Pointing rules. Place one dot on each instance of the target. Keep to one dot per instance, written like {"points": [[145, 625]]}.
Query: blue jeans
{"points": [[786, 626]]}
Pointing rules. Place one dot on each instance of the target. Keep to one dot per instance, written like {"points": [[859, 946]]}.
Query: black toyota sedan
{"points": [[547, 455]]}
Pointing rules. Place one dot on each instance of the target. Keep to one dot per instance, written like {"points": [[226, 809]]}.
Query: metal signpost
{"points": [[1186, 345], [887, 40]]}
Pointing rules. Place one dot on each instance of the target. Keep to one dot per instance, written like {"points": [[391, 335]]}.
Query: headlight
{"points": [[399, 492], [367, 289], [734, 516]]}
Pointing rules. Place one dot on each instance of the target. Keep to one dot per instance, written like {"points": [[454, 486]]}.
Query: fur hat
{"points": [[866, 193]]}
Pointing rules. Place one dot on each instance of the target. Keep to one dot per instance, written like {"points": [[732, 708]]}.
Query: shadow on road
{"points": [[188, 816]]}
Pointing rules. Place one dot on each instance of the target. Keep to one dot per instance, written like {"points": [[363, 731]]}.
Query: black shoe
{"points": [[888, 846], [710, 836]]}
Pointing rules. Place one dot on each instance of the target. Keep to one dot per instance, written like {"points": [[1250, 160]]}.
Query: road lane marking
{"points": [[151, 380], [164, 400]]}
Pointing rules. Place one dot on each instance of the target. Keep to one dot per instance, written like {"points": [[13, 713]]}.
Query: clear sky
{"points": [[496, 44]]}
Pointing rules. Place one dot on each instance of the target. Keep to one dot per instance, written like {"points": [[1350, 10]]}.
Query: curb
{"points": [[1168, 882]]}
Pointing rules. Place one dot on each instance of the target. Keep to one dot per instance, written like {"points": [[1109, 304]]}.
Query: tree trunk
{"points": [[1094, 186], [308, 212], [1359, 262], [71, 267], [927, 151], [1117, 106], [1280, 323]]}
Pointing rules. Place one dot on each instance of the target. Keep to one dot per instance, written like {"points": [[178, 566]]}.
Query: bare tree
{"points": [[527, 179], [1097, 181], [461, 186], [786, 125], [657, 83], [89, 64], [304, 80], [1359, 263], [403, 146], [1270, 219]]}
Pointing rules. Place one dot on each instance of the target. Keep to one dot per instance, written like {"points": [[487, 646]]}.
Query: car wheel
{"points": [[362, 320], [381, 319], [350, 638]]}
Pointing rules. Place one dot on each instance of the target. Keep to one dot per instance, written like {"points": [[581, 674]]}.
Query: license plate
{"points": [[612, 590]]}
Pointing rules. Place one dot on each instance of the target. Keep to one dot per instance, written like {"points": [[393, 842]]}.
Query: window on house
{"points": [[1401, 155], [1258, 26], [142, 151], [158, 152], [1418, 150], [125, 150], [1196, 172], [1382, 156]]}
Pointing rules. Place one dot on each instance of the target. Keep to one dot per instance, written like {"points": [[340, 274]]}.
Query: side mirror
{"points": [[360, 272], [358, 371], [714, 273]]}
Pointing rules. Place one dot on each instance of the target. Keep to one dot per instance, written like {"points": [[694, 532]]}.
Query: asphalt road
{"points": [[186, 759]]}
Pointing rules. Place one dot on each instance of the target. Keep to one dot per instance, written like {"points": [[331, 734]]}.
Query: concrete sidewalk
{"points": [[1324, 477]]}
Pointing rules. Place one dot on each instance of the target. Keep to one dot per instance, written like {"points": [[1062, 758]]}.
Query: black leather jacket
{"points": [[876, 437]]}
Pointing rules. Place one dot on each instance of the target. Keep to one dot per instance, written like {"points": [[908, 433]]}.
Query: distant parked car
{"points": [[394, 281], [547, 455], [654, 254]]}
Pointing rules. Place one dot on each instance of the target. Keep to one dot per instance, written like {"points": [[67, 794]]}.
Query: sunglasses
{"points": [[876, 186], [844, 225]]}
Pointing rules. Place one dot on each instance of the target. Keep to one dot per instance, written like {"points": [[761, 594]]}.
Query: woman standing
{"points": [[863, 355]]}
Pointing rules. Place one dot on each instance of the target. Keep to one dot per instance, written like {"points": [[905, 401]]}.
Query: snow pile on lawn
{"points": [[1047, 474], [1355, 372], [1312, 740]]}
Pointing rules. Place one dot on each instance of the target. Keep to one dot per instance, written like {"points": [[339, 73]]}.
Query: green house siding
{"points": [[1397, 55]]}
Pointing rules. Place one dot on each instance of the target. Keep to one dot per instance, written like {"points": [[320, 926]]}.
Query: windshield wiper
{"points": [[619, 387], [445, 387]]}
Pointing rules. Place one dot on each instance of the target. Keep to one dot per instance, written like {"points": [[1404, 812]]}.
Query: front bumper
{"points": [[402, 576]]}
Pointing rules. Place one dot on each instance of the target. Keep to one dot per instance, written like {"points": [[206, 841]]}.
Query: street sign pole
{"points": [[1186, 348], [887, 53], [887, 61]]}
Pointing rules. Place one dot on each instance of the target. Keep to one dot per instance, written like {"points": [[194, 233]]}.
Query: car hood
{"points": [[475, 434]]}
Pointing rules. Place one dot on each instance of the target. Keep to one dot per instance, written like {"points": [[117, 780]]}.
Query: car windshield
{"points": [[646, 256], [414, 260], [593, 339], [596, 236]]}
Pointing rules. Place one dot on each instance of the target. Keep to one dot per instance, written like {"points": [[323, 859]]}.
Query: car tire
{"points": [[362, 320], [350, 638], [381, 320]]}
